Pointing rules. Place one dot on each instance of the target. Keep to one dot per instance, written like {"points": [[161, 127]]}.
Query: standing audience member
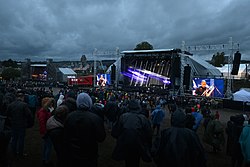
{"points": [[111, 111], [245, 142], [134, 136], [214, 134], [189, 119], [157, 117], [55, 130], [20, 118], [179, 146], [60, 100], [82, 132], [32, 101], [97, 107], [70, 103], [233, 130], [198, 118], [172, 108], [5, 131], [145, 110], [43, 115]]}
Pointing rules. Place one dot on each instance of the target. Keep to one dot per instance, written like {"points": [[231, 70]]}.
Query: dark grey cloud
{"points": [[63, 29]]}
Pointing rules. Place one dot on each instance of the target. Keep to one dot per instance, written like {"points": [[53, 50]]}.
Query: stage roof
{"points": [[146, 51], [201, 67]]}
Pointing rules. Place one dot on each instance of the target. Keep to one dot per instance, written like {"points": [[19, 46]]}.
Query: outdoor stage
{"points": [[150, 70]]}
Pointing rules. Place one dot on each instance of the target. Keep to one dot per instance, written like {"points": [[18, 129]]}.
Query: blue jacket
{"points": [[198, 118], [157, 115], [245, 142]]}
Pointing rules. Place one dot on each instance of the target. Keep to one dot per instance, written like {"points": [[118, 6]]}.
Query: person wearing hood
{"points": [[55, 130], [60, 100], [134, 136], [82, 131], [157, 117], [214, 134], [244, 141], [179, 146]]}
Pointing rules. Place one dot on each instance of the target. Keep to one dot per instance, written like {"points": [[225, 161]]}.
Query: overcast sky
{"points": [[67, 29]]}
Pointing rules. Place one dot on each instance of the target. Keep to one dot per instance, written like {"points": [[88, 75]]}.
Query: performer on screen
{"points": [[102, 81], [203, 89]]}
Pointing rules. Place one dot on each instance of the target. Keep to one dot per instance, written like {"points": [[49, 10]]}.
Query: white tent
{"points": [[241, 95], [66, 73], [241, 73]]}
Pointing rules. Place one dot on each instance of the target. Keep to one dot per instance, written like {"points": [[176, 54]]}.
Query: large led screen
{"points": [[103, 79], [208, 87]]}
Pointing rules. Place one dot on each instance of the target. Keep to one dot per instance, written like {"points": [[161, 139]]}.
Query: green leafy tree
{"points": [[144, 46], [10, 73], [218, 59], [9, 63]]}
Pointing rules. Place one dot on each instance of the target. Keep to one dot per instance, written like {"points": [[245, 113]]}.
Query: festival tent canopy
{"points": [[201, 67], [241, 95]]}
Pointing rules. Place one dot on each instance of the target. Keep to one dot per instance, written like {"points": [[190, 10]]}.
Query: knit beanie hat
{"points": [[84, 101]]}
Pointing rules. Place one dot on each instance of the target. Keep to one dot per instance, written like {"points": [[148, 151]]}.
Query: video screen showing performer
{"points": [[203, 89], [208, 87], [103, 79]]}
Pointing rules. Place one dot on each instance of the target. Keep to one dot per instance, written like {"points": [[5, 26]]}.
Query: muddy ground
{"points": [[33, 148]]}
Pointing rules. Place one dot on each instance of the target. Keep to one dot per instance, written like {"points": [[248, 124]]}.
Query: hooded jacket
{"points": [[55, 130], [60, 100], [157, 115], [82, 132], [84, 102], [133, 133], [179, 146], [245, 143]]}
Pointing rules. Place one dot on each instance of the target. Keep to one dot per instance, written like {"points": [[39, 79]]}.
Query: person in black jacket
{"points": [[179, 146], [82, 132], [233, 130], [20, 118], [134, 136], [111, 111], [5, 130], [55, 130]]}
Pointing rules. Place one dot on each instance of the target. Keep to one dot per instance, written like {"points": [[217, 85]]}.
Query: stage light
{"points": [[166, 82], [132, 76], [135, 74]]}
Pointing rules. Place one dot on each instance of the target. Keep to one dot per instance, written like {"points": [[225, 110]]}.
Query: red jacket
{"points": [[43, 115]]}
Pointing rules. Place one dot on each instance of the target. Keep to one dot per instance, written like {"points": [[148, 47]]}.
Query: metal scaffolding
{"points": [[231, 47]]}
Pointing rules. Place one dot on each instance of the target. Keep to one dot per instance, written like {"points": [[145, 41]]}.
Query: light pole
{"points": [[229, 79], [116, 73], [94, 56]]}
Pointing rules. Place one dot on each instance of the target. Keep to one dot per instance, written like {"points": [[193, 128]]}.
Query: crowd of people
{"points": [[73, 122]]}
